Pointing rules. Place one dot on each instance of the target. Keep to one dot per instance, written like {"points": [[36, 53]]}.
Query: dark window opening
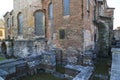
{"points": [[62, 34]]}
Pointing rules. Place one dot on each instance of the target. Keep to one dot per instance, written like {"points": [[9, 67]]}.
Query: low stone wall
{"points": [[88, 58], [16, 68], [48, 58], [24, 48], [72, 55], [77, 57]]}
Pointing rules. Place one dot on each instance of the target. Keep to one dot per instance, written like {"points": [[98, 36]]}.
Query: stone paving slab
{"points": [[3, 74], [85, 72], [115, 68], [1, 78]]}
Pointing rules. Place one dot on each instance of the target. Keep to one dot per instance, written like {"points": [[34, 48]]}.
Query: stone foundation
{"points": [[24, 48]]}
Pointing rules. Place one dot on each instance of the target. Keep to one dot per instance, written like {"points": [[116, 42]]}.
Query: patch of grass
{"points": [[41, 76], [1, 58], [101, 68], [60, 69]]}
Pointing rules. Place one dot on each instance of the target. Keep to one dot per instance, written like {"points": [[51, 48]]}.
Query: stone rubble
{"points": [[3, 74], [32, 62]]}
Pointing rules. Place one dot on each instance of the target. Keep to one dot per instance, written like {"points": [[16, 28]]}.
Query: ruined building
{"points": [[104, 24], [76, 27]]}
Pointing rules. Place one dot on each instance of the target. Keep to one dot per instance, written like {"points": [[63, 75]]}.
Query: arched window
{"points": [[51, 11], [12, 21], [39, 23], [8, 22], [66, 6], [20, 24]]}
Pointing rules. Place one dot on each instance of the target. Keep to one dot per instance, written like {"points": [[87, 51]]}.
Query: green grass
{"points": [[1, 58], [41, 76], [60, 69], [101, 68]]}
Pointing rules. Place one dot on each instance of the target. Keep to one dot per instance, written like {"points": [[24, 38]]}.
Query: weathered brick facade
{"points": [[79, 31]]}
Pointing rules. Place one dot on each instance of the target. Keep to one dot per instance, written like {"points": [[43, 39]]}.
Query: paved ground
{"points": [[115, 69]]}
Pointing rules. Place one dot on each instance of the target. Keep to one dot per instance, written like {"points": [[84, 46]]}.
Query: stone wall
{"points": [[104, 27], [103, 40], [72, 55], [73, 24], [27, 9], [24, 48], [16, 68]]}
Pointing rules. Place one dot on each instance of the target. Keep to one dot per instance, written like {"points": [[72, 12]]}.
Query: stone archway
{"points": [[103, 39]]}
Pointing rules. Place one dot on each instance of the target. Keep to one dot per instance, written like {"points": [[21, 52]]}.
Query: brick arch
{"points": [[41, 10]]}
